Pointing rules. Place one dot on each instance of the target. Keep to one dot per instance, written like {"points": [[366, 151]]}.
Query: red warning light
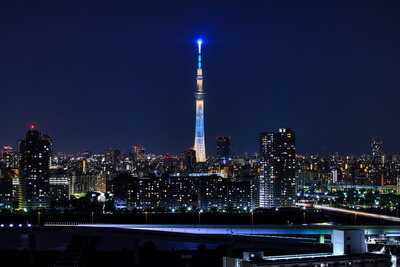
{"points": [[32, 127]]}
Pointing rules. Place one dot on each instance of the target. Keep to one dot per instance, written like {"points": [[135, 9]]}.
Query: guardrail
{"points": [[72, 223], [367, 214], [294, 256]]}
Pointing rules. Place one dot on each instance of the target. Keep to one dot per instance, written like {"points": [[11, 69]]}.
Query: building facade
{"points": [[6, 189], [35, 153], [217, 193], [276, 183], [9, 158], [223, 147], [59, 190], [138, 153], [376, 151], [189, 160], [153, 193]]}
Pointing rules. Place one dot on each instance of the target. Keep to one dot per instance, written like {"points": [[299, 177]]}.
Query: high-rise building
{"points": [[60, 182], [112, 159], [189, 159], [82, 183], [276, 184], [223, 147], [199, 142], [35, 153], [138, 153], [376, 149], [6, 188], [9, 157]]}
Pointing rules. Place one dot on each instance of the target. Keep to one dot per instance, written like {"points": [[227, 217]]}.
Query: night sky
{"points": [[106, 74]]}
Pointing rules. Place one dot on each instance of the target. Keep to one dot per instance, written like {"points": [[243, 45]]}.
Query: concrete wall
{"points": [[348, 242]]}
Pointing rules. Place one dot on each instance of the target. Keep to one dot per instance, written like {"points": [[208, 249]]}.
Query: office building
{"points": [[82, 183], [276, 183]]}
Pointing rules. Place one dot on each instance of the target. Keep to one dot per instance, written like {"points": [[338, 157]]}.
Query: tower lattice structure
{"points": [[199, 143]]}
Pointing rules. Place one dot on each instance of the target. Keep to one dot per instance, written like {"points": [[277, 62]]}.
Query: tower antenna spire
{"points": [[199, 44]]}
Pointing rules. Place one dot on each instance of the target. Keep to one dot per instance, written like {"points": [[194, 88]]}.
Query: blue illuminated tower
{"points": [[199, 143]]}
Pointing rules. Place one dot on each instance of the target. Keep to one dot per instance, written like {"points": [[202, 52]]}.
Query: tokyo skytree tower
{"points": [[199, 143]]}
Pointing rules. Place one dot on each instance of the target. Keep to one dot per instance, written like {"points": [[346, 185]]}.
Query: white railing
{"points": [[71, 223]]}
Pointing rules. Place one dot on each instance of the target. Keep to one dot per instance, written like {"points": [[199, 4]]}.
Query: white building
{"points": [[348, 242]]}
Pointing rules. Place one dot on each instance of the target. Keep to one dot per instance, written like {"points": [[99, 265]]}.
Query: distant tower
{"points": [[276, 183], [223, 147], [199, 143], [35, 153]]}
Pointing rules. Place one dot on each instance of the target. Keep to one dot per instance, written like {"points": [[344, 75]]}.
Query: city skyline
{"points": [[215, 153], [95, 76]]}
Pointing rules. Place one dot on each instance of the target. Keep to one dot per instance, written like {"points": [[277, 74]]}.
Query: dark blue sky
{"points": [[106, 74]]}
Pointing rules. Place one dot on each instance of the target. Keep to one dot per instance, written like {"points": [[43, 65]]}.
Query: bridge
{"points": [[231, 230]]}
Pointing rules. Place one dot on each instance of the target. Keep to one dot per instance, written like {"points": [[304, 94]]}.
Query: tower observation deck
{"points": [[199, 143]]}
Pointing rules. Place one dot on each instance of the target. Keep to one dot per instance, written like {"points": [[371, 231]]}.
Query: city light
{"points": [[307, 92]]}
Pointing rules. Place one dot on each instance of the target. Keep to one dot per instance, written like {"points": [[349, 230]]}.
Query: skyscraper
{"points": [[189, 159], [223, 147], [112, 160], [276, 184], [376, 149], [35, 153], [199, 143]]}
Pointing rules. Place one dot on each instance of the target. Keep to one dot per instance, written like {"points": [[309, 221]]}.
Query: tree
{"points": [[201, 247], [109, 206], [149, 246]]}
